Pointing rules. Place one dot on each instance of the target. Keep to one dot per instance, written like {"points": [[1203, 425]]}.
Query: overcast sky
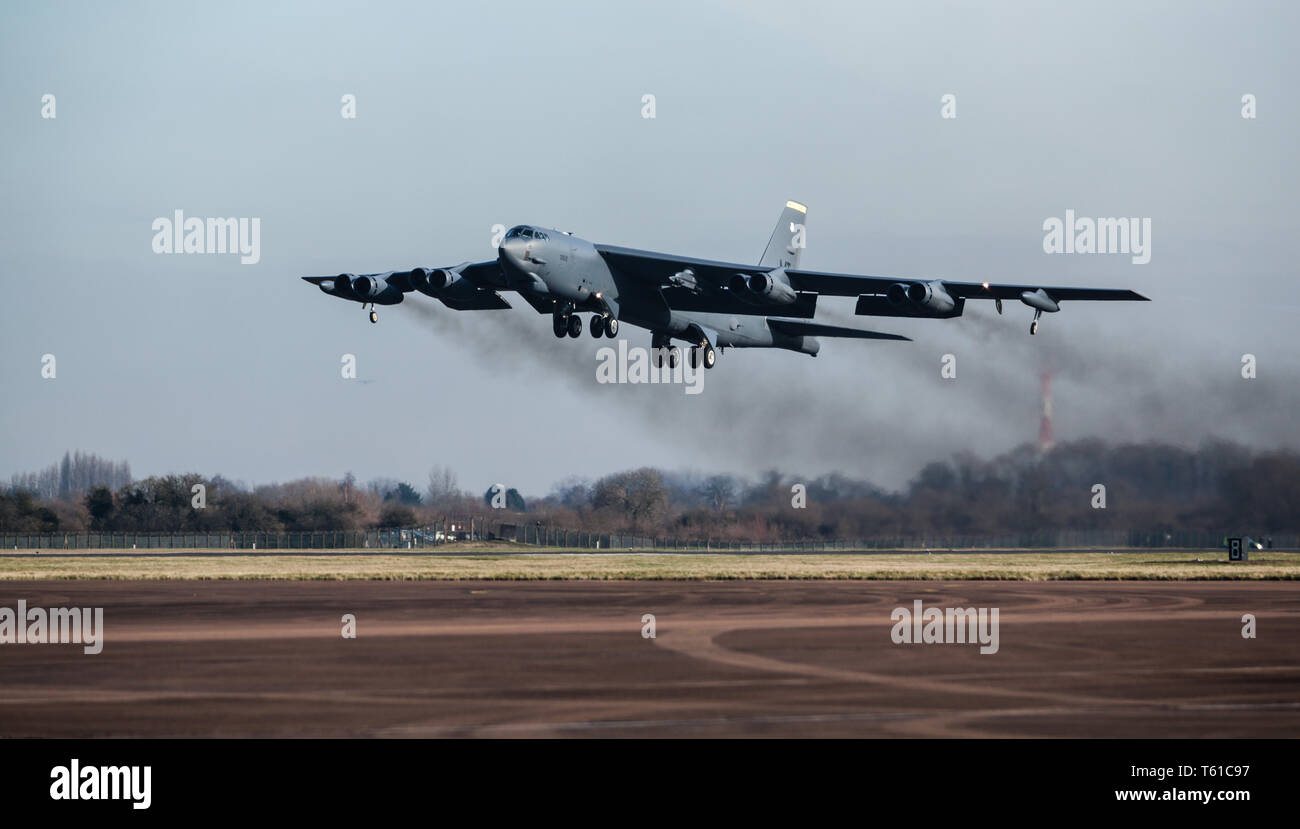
{"points": [[480, 114]]}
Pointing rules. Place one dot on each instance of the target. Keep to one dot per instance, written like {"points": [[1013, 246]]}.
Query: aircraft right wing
{"points": [[464, 287]]}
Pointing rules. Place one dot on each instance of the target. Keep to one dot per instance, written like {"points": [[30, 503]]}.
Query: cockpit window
{"points": [[526, 232]]}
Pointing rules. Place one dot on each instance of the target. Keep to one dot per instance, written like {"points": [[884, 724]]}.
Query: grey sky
{"points": [[478, 114]]}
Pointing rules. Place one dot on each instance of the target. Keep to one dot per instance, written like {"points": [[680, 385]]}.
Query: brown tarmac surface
{"points": [[566, 658]]}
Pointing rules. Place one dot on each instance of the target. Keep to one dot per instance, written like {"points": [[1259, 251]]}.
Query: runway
{"points": [[729, 659]]}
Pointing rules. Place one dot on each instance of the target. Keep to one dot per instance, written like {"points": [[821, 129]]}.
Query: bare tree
{"points": [[718, 490], [442, 486]]}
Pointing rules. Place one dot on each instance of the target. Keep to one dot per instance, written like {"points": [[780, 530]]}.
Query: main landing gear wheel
{"points": [[597, 326], [575, 326], [374, 317], [560, 326], [611, 327], [674, 356], [703, 354]]}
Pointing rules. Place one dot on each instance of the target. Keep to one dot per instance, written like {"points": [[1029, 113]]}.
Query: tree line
{"points": [[1088, 484]]}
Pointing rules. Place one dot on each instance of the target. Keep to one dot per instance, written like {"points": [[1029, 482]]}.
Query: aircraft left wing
{"points": [[940, 299], [847, 284], [658, 267], [690, 284]]}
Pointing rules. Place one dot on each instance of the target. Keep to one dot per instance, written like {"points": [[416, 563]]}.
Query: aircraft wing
{"points": [[726, 302], [846, 284], [541, 304], [690, 284], [464, 287], [463, 297], [487, 274], [318, 280], [658, 267]]}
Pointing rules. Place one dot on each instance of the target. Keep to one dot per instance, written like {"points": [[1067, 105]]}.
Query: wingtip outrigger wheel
{"points": [[997, 303], [374, 316], [1033, 326]]}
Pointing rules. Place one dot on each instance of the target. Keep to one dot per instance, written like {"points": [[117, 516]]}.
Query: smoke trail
{"points": [[880, 410]]}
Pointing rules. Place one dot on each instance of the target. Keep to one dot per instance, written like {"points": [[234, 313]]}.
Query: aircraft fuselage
{"points": [[569, 269]]}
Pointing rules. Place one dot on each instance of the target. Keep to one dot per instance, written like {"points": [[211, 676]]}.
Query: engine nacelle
{"points": [[366, 287], [340, 285], [369, 289], [431, 282], [930, 295], [771, 288]]}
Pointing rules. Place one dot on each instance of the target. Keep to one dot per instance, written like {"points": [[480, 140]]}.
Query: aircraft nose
{"points": [[512, 250]]}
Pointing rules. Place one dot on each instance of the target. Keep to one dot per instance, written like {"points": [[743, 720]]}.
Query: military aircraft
{"points": [[705, 303]]}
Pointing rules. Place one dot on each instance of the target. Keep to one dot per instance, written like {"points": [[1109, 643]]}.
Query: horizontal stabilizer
{"points": [[797, 328]]}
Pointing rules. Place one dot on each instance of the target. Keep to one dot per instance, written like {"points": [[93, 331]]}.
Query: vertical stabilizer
{"points": [[788, 239]]}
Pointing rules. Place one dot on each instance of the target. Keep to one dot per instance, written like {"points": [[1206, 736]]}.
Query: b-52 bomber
{"points": [[707, 304]]}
